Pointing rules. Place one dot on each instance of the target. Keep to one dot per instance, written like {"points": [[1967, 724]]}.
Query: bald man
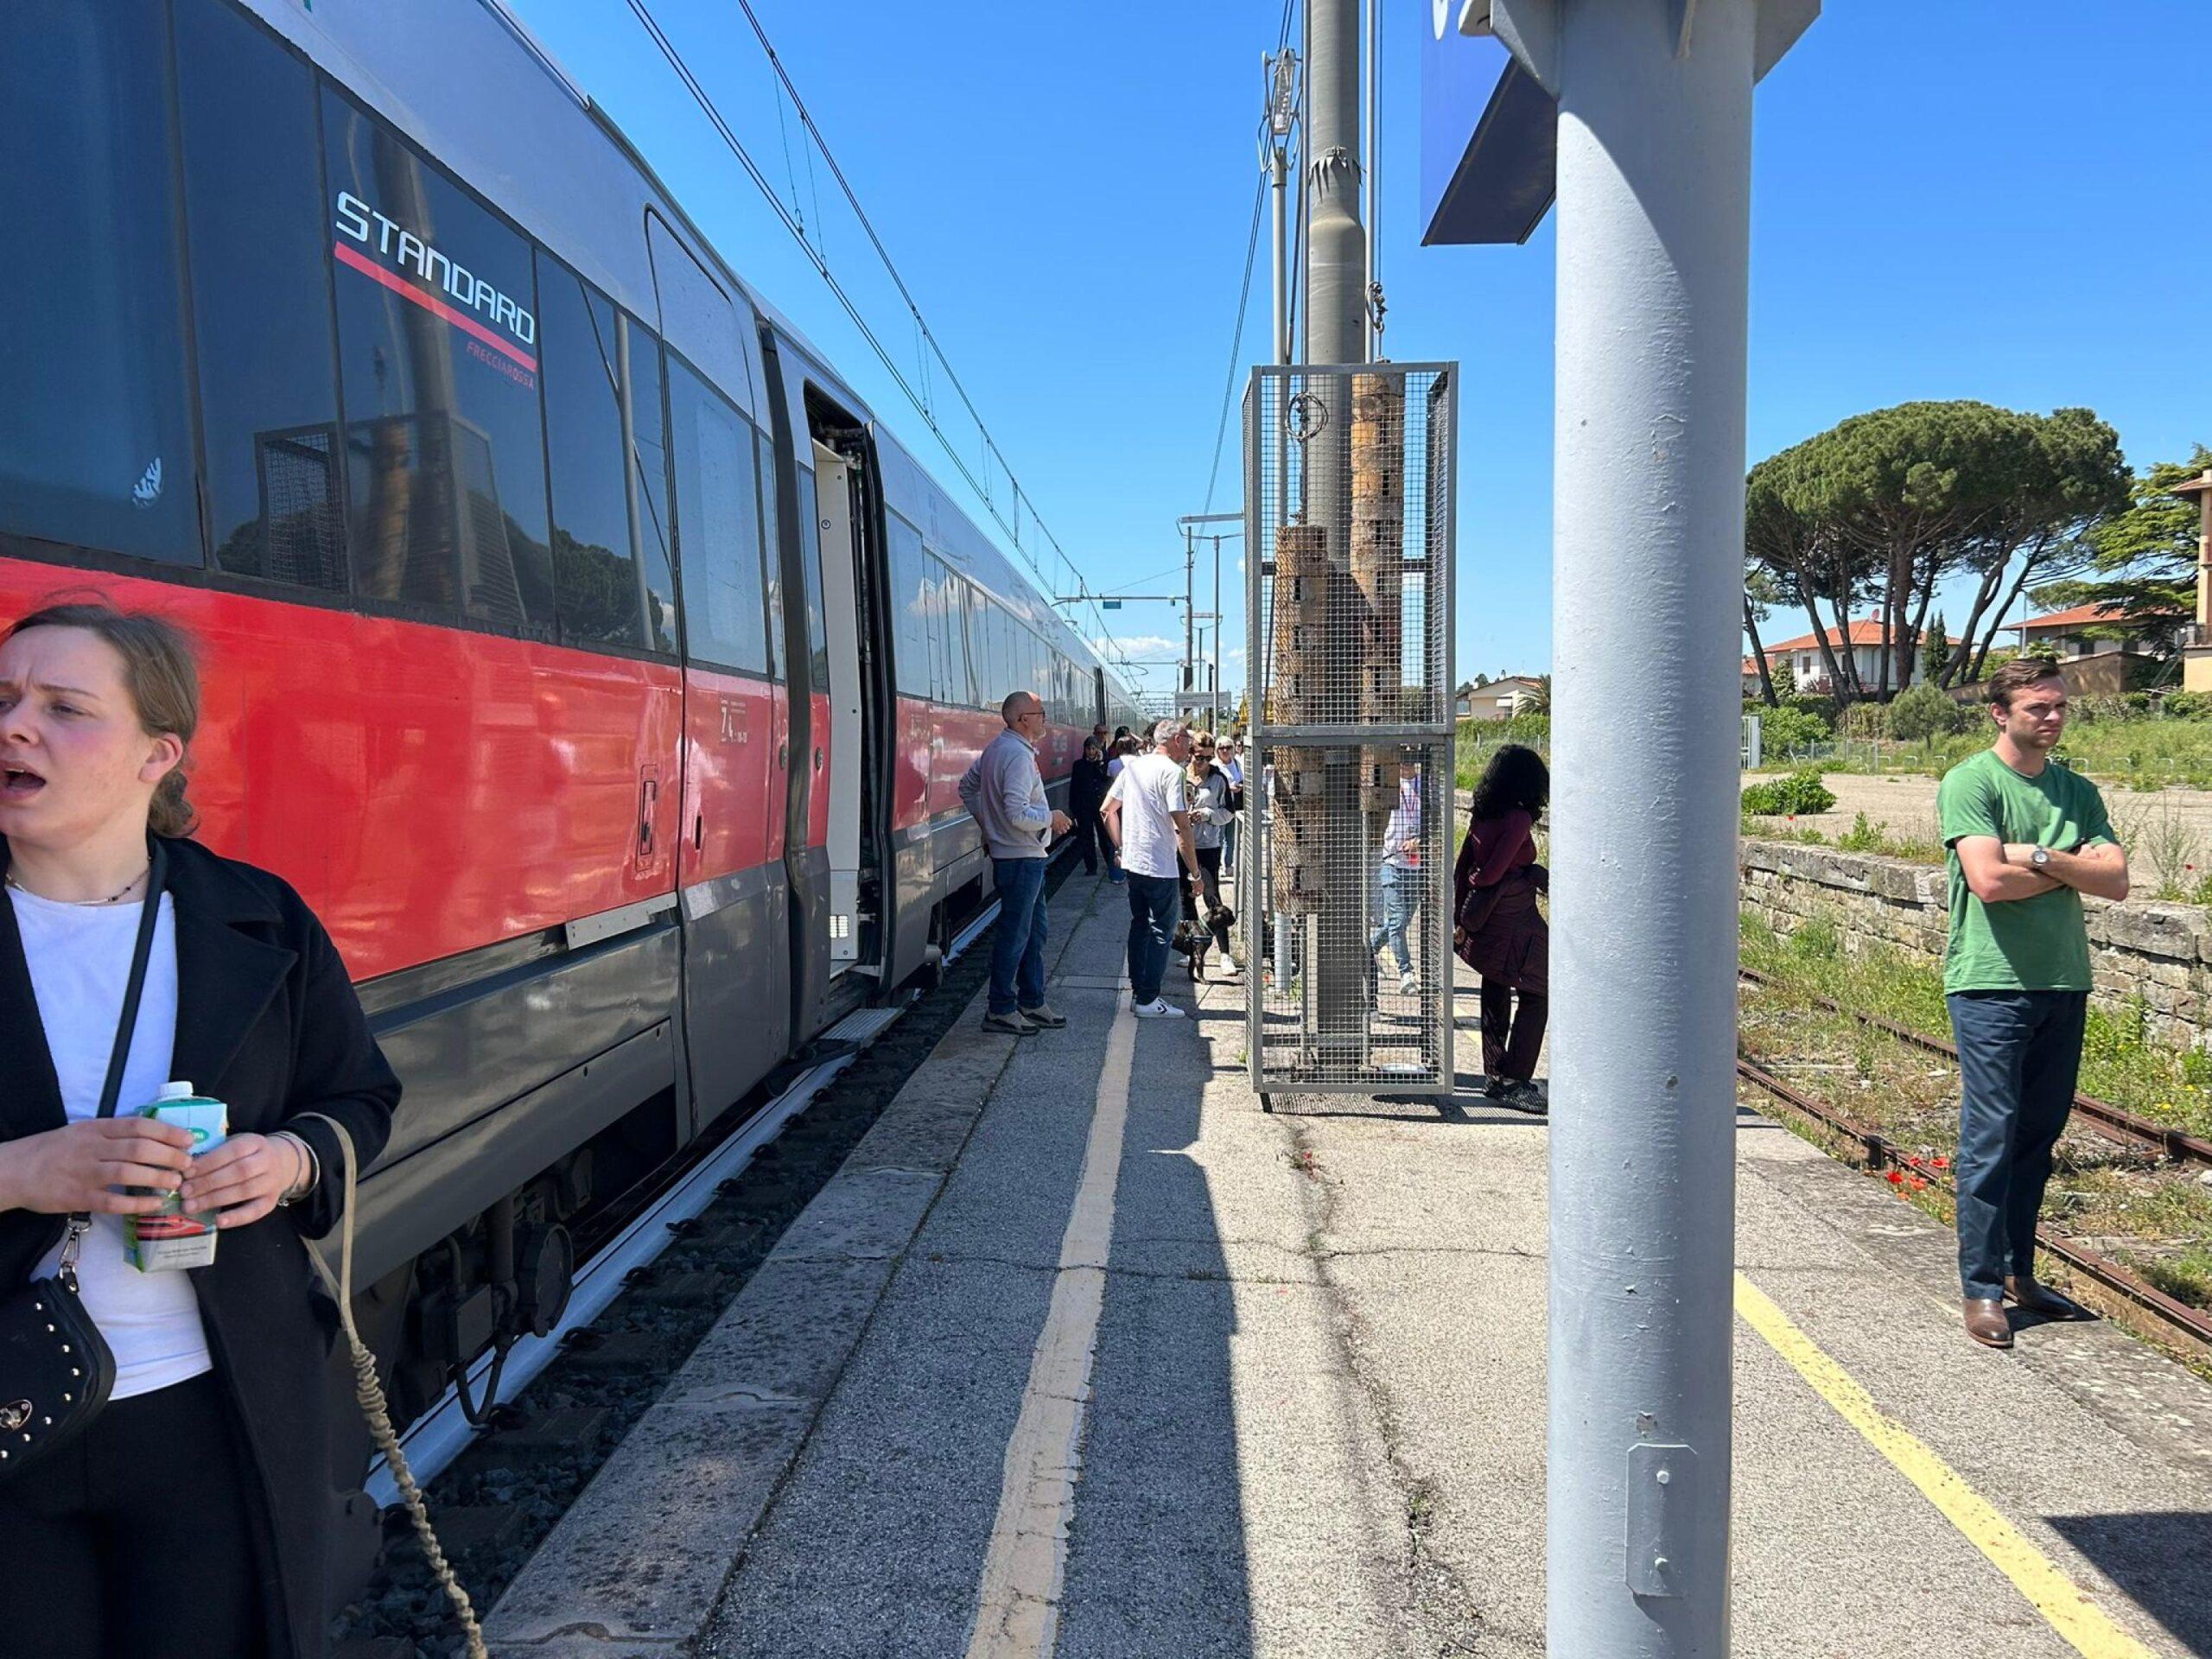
{"points": [[1005, 793]]}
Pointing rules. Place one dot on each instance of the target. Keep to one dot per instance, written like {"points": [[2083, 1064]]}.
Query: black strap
{"points": [[148, 919]]}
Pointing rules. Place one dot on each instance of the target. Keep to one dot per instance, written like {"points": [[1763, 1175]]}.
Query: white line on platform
{"points": [[1017, 1607]]}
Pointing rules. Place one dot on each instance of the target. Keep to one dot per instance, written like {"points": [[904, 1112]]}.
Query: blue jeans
{"points": [[2019, 1052], [1154, 902], [1396, 893], [1018, 942]]}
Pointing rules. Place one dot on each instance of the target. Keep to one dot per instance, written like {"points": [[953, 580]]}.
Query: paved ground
{"points": [[1030, 1378]]}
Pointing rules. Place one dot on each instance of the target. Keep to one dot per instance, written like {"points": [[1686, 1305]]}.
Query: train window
{"points": [[96, 443], [911, 602], [772, 548], [260, 294], [438, 371], [810, 565], [952, 637], [717, 525], [649, 433], [594, 565]]}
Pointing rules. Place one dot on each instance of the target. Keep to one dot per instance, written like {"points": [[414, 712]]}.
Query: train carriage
{"points": [[579, 644]]}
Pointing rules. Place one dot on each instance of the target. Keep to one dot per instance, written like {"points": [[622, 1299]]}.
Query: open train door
{"points": [[837, 546], [835, 810]]}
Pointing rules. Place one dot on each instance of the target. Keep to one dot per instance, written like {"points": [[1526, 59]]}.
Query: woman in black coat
{"points": [[1086, 794], [189, 1516]]}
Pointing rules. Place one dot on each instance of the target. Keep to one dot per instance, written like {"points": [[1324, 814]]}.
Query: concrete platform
{"points": [[1083, 1354]]}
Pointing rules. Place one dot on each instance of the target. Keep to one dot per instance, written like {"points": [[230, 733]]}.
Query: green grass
{"points": [[2121, 1062], [1476, 741], [2139, 753], [1861, 837]]}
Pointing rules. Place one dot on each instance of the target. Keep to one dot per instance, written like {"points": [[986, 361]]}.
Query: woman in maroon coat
{"points": [[1497, 930]]}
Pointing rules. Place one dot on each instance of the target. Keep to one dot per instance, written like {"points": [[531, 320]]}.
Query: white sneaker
{"points": [[1159, 1008], [1408, 985]]}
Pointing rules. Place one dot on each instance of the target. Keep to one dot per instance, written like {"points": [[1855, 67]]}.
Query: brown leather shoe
{"points": [[1986, 1321], [2025, 1291]]}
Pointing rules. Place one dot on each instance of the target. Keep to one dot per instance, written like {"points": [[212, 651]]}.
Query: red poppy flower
{"points": [[1943, 1163], [1917, 1184], [1897, 1178]]}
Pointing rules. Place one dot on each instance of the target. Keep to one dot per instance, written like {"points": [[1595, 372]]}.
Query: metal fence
{"points": [[1346, 891]]}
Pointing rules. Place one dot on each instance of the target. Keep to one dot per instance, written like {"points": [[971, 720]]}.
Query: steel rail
{"points": [[439, 1435], [2115, 1122], [1881, 1151]]}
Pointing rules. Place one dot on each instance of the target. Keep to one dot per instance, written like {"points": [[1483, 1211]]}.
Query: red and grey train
{"points": [[577, 642]]}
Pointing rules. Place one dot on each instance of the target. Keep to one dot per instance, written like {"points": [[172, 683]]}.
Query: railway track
{"points": [[2115, 1123], [1884, 1155], [637, 1307]]}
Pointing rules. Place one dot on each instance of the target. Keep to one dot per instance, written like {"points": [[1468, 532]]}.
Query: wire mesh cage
{"points": [[1346, 891]]}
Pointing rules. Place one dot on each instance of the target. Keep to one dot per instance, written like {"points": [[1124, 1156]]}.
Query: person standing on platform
{"points": [[191, 1515], [1005, 793], [1086, 794], [1497, 930], [1397, 879], [2027, 837], [1147, 818], [1212, 803], [1231, 761], [1117, 756]]}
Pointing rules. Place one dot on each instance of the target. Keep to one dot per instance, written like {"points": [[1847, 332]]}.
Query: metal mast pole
{"points": [[1189, 617], [1371, 184], [1654, 179], [1214, 691], [1336, 294]]}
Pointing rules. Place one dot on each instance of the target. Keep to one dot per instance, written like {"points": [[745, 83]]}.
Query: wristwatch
{"points": [[2040, 857]]}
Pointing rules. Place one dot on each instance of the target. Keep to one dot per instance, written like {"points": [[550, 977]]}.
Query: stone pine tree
{"points": [[1886, 505], [2144, 563]]}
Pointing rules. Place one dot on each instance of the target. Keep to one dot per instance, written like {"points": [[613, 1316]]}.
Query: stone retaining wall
{"points": [[2157, 956]]}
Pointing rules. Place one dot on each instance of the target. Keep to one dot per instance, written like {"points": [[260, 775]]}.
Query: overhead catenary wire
{"points": [[1244, 294], [794, 222]]}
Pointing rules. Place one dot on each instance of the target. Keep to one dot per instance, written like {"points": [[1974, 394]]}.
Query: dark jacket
{"points": [[1087, 788], [268, 1022], [1497, 930]]}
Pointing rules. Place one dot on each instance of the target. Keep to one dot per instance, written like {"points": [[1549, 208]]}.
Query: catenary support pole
{"points": [[1654, 184], [1336, 334]]}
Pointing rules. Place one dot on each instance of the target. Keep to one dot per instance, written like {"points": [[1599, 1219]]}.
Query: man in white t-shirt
{"points": [[1147, 817]]}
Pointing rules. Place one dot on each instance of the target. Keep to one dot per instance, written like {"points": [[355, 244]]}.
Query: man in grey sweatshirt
{"points": [[1005, 793]]}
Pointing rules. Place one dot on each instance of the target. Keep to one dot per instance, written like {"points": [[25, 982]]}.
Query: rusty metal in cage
{"points": [[1346, 872]]}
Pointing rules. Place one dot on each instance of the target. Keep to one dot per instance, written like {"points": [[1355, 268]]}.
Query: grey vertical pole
{"points": [[1213, 692], [1370, 180], [1655, 131], [1190, 616], [1284, 104], [1335, 262], [1336, 289]]}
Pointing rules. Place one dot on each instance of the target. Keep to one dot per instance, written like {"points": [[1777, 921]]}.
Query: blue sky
{"points": [[1971, 199]]}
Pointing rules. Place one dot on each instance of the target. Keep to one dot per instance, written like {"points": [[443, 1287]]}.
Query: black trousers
{"points": [[137, 1539], [1210, 884], [1090, 837], [1513, 1031]]}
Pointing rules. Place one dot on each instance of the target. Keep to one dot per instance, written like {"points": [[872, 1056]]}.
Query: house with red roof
{"points": [[1809, 670], [2067, 634]]}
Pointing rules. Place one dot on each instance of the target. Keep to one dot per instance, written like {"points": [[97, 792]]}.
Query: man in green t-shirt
{"points": [[2028, 837]]}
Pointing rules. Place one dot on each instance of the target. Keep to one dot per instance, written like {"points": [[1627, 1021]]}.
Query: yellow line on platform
{"points": [[2063, 1603], [1017, 1607]]}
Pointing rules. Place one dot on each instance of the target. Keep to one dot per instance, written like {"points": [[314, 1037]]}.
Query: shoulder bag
{"points": [[55, 1367]]}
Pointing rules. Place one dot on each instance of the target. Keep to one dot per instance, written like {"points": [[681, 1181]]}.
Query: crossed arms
{"points": [[1998, 871]]}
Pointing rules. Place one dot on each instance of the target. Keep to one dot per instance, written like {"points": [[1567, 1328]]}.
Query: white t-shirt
{"points": [[79, 958], [1150, 787]]}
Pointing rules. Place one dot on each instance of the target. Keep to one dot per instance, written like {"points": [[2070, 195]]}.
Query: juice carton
{"points": [[169, 1236]]}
